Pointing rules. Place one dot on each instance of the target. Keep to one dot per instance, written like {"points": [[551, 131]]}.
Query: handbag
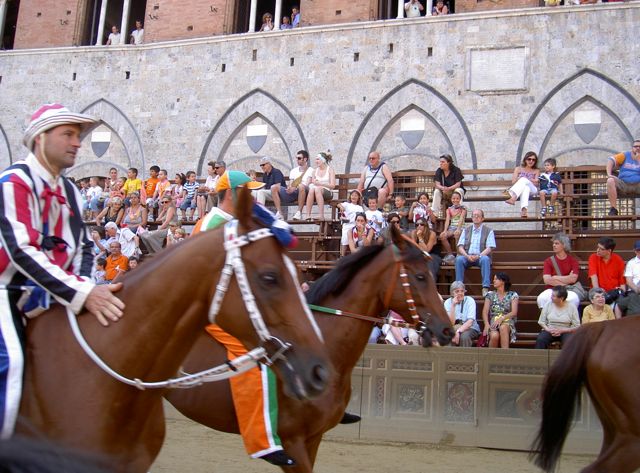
{"points": [[483, 340], [576, 287], [611, 296]]}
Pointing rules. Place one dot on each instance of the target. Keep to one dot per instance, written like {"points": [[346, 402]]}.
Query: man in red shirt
{"points": [[606, 269]]}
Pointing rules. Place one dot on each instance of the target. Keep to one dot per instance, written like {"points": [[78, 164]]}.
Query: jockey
{"points": [[254, 392], [45, 249]]}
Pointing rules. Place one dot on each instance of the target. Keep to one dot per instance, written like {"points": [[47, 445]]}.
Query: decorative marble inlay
{"points": [[381, 363], [379, 397], [518, 369], [459, 405], [412, 365], [461, 367], [506, 403], [411, 398]]}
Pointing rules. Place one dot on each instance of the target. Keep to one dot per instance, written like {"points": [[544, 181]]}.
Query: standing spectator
{"points": [[349, 210], [420, 209], [628, 181], [550, 181], [500, 312], [462, 314], [474, 247], [630, 303], [299, 178], [321, 185], [525, 182], [413, 9], [597, 311], [426, 239], [295, 16], [440, 9], [189, 190], [453, 225], [114, 38], [267, 22], [606, 269], [560, 269], [116, 262], [286, 23], [132, 184], [150, 186], [558, 319], [137, 35], [447, 180], [376, 179], [270, 176]]}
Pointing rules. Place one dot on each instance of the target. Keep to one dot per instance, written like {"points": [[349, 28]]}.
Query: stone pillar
{"points": [[3, 17], [428, 8], [400, 9], [252, 16], [124, 33], [277, 15], [103, 16]]}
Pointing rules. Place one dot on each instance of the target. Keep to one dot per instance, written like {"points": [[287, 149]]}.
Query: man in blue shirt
{"points": [[474, 247], [628, 180], [270, 176]]}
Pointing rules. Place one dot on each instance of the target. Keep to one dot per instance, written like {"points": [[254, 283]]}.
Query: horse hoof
{"points": [[348, 418], [279, 458]]}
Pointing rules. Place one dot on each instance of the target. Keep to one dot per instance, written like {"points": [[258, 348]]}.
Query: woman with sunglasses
{"points": [[426, 240], [525, 182], [153, 241]]}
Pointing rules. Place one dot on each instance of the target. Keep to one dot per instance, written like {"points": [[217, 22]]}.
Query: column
{"points": [[252, 16], [103, 16], [428, 8], [124, 29], [400, 9], [3, 17], [277, 15]]}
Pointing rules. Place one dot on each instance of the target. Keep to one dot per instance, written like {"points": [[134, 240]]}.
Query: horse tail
{"points": [[561, 392]]}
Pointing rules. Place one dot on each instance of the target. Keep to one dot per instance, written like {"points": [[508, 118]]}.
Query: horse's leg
{"points": [[621, 456], [303, 450]]}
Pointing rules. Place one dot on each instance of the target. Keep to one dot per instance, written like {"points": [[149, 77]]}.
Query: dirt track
{"points": [[191, 448]]}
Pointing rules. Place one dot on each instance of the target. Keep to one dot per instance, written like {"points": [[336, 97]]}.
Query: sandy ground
{"points": [[191, 448]]}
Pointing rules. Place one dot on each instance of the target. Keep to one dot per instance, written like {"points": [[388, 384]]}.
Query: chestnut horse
{"points": [[603, 356], [70, 400], [370, 281]]}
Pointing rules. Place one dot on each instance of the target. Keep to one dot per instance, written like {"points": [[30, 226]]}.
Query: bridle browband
{"points": [[233, 265]]}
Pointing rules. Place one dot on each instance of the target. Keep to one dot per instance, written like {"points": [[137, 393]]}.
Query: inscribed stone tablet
{"points": [[498, 69]]}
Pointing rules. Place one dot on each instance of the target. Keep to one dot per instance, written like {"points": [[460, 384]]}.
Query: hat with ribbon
{"points": [[52, 115]]}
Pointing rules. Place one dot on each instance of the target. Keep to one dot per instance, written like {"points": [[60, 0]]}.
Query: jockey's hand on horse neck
{"points": [[103, 304]]}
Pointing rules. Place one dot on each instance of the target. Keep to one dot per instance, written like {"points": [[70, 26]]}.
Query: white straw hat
{"points": [[52, 115]]}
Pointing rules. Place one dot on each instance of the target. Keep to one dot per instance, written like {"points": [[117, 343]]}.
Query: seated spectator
{"points": [[153, 241], [448, 179], [270, 176], [296, 192], [321, 185], [500, 312], [134, 261], [136, 215], [375, 219], [189, 190], [361, 234], [597, 311], [99, 272], [560, 269], [558, 319], [400, 207], [131, 184], [426, 240], [550, 181], [176, 189], [474, 247], [111, 180], [267, 22], [99, 241], [376, 180], [420, 209], [286, 23], [413, 9], [525, 182], [606, 269], [628, 180], [116, 262], [395, 335], [348, 211], [630, 303], [113, 212], [440, 9], [462, 314], [115, 190], [86, 208], [453, 225], [127, 240], [163, 188]]}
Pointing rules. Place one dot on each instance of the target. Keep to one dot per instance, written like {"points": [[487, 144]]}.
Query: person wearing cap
{"points": [[627, 182], [44, 245], [254, 392], [270, 176], [630, 303]]}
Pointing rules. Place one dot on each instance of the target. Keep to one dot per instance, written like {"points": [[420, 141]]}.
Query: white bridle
{"points": [[233, 265]]}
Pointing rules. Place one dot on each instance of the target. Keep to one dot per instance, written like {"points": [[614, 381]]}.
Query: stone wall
{"points": [[484, 87]]}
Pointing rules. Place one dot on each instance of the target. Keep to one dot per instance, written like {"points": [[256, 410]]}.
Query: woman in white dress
{"points": [[323, 181]]}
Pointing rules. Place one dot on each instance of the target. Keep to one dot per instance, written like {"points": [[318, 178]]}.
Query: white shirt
{"points": [[412, 9], [632, 270], [138, 36], [114, 38]]}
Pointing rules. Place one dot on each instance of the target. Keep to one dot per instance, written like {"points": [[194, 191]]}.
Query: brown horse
{"points": [[604, 357], [68, 399], [367, 282]]}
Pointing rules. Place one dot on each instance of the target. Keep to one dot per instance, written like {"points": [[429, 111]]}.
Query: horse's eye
{"points": [[269, 278], [421, 277]]}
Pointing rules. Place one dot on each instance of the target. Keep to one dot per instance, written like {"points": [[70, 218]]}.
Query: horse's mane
{"points": [[336, 280]]}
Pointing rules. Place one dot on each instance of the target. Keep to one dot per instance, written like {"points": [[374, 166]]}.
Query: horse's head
{"points": [[267, 290], [412, 292]]}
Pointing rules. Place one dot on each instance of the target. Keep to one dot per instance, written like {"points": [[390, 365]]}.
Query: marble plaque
{"points": [[498, 69]]}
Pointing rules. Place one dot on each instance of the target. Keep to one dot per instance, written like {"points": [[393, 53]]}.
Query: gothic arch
{"points": [[115, 119], [586, 85], [432, 104], [256, 103], [5, 150]]}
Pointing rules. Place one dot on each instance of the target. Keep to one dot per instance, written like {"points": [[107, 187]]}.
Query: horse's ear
{"points": [[397, 238], [244, 205]]}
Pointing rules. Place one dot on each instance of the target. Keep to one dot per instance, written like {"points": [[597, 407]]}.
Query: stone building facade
{"points": [[484, 88]]}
